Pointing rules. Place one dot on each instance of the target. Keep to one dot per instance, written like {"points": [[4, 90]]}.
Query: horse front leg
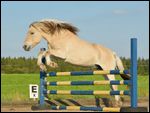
{"points": [[41, 64], [49, 62], [57, 53]]}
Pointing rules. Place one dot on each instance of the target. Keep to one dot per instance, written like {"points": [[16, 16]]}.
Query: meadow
{"points": [[15, 87]]}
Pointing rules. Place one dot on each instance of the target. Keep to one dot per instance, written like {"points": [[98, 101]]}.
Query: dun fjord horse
{"points": [[63, 42]]}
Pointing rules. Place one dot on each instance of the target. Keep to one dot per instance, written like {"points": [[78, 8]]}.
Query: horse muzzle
{"points": [[27, 48]]}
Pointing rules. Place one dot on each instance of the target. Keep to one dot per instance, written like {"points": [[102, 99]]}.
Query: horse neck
{"points": [[63, 35]]}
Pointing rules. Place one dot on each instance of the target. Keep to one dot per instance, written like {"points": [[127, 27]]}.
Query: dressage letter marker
{"points": [[33, 89]]}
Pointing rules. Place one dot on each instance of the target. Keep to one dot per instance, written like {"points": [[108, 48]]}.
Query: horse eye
{"points": [[32, 33]]}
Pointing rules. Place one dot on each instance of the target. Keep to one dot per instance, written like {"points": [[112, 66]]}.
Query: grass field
{"points": [[15, 87]]}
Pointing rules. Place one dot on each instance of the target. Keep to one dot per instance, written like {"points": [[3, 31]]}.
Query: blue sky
{"points": [[111, 24]]}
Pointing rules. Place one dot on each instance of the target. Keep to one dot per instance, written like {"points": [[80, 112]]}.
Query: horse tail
{"points": [[120, 66]]}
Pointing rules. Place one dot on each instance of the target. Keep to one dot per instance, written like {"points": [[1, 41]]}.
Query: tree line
{"points": [[29, 65]]}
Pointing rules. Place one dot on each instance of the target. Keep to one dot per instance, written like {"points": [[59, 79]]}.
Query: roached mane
{"points": [[52, 26]]}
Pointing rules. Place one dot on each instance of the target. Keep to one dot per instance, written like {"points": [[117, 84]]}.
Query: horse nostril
{"points": [[25, 46]]}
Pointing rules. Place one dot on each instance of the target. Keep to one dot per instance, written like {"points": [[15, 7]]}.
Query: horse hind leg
{"points": [[113, 87], [98, 67], [109, 77]]}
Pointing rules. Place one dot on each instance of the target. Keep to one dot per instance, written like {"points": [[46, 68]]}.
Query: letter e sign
{"points": [[33, 90]]}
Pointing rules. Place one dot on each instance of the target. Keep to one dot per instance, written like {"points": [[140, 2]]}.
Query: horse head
{"points": [[45, 28], [33, 37]]}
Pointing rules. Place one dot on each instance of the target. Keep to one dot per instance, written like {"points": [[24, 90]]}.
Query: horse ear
{"points": [[32, 24]]}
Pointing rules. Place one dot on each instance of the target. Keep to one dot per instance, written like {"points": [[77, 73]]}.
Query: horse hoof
{"points": [[53, 65], [117, 103], [43, 67]]}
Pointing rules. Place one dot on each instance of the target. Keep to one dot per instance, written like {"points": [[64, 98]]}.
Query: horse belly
{"points": [[82, 57]]}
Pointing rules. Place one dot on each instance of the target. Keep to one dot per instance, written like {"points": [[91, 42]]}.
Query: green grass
{"points": [[15, 87]]}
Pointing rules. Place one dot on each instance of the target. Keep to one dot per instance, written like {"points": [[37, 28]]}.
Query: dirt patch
{"points": [[83, 102]]}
